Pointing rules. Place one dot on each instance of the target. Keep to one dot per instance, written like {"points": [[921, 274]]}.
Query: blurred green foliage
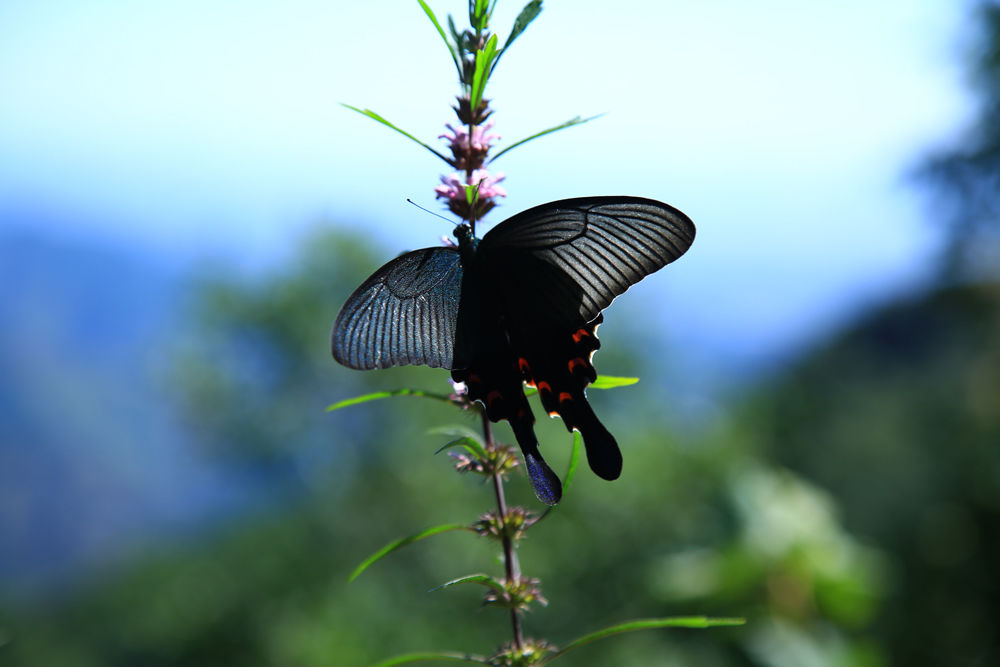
{"points": [[900, 419], [849, 507]]}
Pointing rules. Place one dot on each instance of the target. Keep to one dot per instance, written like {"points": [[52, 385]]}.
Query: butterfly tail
{"points": [[546, 484], [603, 454]]}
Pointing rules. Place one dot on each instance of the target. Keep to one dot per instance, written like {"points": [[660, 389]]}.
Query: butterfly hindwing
{"points": [[405, 313], [576, 255], [560, 367]]}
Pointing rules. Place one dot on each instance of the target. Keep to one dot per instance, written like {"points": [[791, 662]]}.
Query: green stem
{"points": [[511, 567]]}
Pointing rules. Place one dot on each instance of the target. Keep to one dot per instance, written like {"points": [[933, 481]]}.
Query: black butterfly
{"points": [[522, 305]]}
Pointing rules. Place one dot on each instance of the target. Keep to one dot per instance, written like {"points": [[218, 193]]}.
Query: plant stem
{"points": [[511, 568]]}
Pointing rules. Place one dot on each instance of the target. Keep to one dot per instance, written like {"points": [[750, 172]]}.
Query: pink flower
{"points": [[454, 185], [459, 138], [469, 153]]}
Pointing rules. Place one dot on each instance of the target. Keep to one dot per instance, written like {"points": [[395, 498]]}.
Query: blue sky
{"points": [[784, 129]]}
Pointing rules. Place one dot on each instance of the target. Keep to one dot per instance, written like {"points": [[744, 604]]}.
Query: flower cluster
{"points": [[470, 191], [453, 190], [469, 148]]}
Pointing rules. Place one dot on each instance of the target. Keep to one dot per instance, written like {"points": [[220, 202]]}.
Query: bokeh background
{"points": [[814, 443]]}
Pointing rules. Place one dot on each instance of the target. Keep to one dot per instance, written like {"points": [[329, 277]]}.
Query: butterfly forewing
{"points": [[405, 313], [594, 249]]}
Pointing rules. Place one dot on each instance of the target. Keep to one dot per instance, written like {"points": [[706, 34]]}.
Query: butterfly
{"points": [[519, 306]]}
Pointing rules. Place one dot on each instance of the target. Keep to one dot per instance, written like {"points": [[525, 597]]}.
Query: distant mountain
{"points": [[92, 457]]}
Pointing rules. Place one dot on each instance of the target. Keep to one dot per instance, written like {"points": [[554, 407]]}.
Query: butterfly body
{"points": [[520, 306]]}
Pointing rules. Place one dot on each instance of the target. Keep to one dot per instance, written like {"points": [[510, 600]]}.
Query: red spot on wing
{"points": [[580, 334], [573, 363], [565, 396]]}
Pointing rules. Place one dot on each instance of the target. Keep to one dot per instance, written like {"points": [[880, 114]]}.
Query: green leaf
{"points": [[455, 34], [699, 622], [611, 382], [574, 463], [527, 15], [471, 445], [570, 123], [484, 61], [386, 394], [479, 14], [472, 194], [422, 657], [451, 49], [457, 431], [400, 543], [602, 382], [484, 579], [374, 116]]}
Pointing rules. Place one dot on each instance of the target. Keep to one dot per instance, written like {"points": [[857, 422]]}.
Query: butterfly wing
{"points": [[405, 313], [568, 260]]}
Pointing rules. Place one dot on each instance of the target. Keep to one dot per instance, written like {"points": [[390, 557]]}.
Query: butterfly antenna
{"points": [[436, 215]]}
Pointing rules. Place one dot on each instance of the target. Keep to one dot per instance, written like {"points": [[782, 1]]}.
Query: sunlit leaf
{"points": [[400, 543], [374, 116], [386, 394], [479, 14], [699, 622], [570, 123], [611, 381], [484, 60], [602, 382]]}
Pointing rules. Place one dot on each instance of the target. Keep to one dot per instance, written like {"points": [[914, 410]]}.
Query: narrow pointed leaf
{"points": [[386, 394], [374, 116], [446, 656], [459, 46], [451, 49], [484, 61], [611, 382], [479, 14], [483, 579], [399, 544], [570, 123], [457, 431], [574, 463], [699, 622], [470, 445], [527, 15]]}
